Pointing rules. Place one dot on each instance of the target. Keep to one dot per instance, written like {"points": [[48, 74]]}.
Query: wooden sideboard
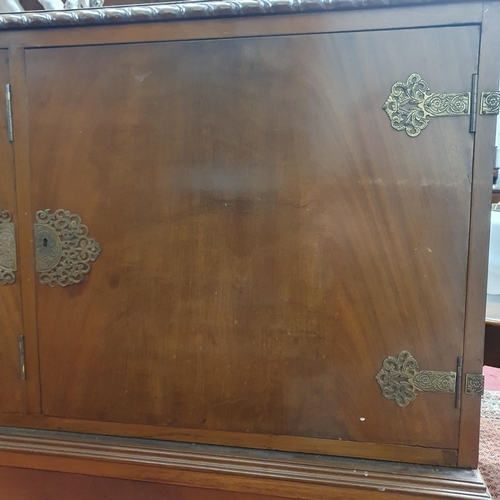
{"points": [[245, 247]]}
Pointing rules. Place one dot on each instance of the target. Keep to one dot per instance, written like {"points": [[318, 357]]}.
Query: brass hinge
{"points": [[8, 105], [473, 105], [474, 384], [458, 393], [8, 257], [490, 103], [401, 379], [22, 360], [411, 104]]}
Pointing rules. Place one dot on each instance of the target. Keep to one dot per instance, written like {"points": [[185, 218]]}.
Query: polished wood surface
{"points": [[363, 449], [262, 253], [22, 484], [12, 388], [286, 475]]}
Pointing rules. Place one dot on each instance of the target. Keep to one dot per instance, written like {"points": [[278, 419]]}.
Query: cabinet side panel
{"points": [[484, 162]]}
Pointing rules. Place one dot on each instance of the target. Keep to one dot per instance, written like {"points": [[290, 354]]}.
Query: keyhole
{"points": [[45, 242]]}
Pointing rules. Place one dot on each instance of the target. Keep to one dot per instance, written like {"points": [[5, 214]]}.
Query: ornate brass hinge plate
{"points": [[401, 379], [63, 249], [8, 257], [474, 384], [411, 104], [490, 103]]}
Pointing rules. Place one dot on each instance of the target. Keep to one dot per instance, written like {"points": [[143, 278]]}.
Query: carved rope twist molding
{"points": [[186, 10]]}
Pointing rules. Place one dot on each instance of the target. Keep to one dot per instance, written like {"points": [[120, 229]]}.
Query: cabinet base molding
{"points": [[268, 473], [333, 447]]}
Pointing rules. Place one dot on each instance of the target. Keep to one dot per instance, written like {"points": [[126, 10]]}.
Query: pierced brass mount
{"points": [[411, 103], [8, 257], [62, 247]]}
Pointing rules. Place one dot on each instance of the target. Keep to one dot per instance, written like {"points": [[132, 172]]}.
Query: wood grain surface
{"points": [[268, 239], [12, 388], [355, 449], [22, 484], [25, 222]]}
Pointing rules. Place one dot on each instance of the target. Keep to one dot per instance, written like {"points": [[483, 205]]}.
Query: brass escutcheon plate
{"points": [[63, 249]]}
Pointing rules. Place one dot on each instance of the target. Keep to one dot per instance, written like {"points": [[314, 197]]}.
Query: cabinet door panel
{"points": [[267, 238], [12, 388]]}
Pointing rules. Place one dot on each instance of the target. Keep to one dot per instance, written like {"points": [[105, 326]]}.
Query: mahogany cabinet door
{"points": [[267, 238], [12, 388]]}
